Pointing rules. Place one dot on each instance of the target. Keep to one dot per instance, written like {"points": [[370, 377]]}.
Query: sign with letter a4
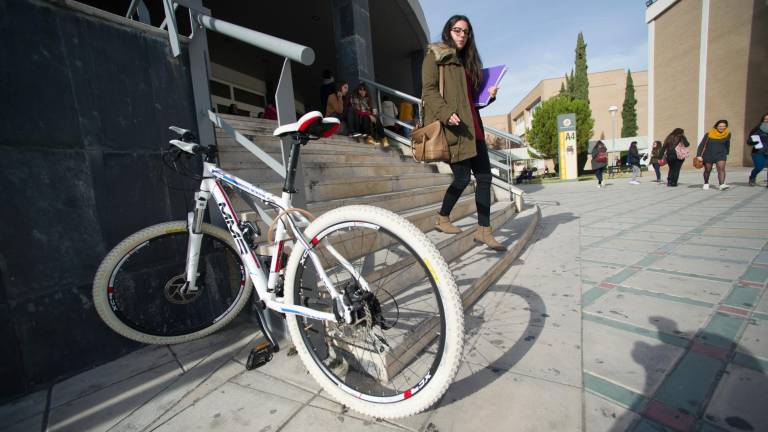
{"points": [[567, 161]]}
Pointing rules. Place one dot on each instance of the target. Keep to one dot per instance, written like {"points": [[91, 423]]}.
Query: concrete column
{"points": [[354, 50]]}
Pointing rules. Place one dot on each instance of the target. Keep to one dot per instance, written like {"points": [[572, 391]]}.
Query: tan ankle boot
{"points": [[484, 235], [444, 224]]}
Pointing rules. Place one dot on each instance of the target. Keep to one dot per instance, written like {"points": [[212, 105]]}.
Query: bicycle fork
{"points": [[195, 229]]}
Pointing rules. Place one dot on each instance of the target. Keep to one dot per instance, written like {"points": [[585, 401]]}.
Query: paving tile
{"points": [[187, 389], [34, 423], [270, 385], [191, 353], [287, 366], [680, 286], [736, 232], [612, 391], [234, 408], [23, 408], [636, 362], [104, 408], [754, 340], [602, 415], [613, 256], [530, 404], [743, 297], [316, 419], [756, 274], [103, 376], [672, 229], [762, 306], [739, 242], [738, 403], [716, 252], [545, 353], [598, 271], [661, 237], [650, 313], [722, 330], [712, 268], [632, 245], [686, 388]]}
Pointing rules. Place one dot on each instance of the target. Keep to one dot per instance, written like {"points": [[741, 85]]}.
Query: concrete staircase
{"points": [[341, 171]]}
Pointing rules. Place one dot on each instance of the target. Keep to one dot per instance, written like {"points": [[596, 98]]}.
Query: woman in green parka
{"points": [[457, 112]]}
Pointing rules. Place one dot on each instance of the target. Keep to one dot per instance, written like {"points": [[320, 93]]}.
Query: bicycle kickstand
{"points": [[261, 354]]}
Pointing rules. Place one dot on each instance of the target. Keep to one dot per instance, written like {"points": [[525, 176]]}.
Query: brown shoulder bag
{"points": [[698, 161], [428, 143]]}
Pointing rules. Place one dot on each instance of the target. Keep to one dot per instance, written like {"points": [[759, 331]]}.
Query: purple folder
{"points": [[491, 78]]}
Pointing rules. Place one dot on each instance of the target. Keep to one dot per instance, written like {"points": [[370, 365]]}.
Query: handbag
{"points": [[682, 151], [428, 143], [698, 161], [662, 162]]}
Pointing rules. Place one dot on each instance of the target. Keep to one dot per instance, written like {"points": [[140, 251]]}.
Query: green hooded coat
{"points": [[461, 138]]}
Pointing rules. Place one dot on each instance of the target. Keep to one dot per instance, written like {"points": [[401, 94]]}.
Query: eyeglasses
{"points": [[459, 30]]}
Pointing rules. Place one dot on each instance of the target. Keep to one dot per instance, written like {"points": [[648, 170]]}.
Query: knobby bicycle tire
{"points": [[347, 360], [128, 308]]}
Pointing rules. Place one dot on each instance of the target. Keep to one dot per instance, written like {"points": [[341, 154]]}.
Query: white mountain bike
{"points": [[370, 304]]}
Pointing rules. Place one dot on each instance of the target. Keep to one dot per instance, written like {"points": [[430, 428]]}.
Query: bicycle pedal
{"points": [[260, 355]]}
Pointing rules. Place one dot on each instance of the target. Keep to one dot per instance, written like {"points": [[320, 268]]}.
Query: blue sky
{"points": [[536, 38]]}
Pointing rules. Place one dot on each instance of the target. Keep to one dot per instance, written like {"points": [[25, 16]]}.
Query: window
{"points": [[520, 125], [249, 97], [219, 89]]}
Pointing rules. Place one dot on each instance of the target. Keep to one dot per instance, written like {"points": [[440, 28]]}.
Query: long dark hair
{"points": [[656, 144], [468, 55], [757, 126], [674, 138], [367, 93]]}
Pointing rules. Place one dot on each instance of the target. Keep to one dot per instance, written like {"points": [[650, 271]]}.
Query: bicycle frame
{"points": [[211, 186]]}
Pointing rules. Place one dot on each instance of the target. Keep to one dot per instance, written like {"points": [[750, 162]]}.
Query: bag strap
{"points": [[442, 80], [441, 86]]}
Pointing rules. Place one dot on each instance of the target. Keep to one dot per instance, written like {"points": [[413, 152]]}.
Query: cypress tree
{"points": [[562, 88], [580, 79], [628, 111]]}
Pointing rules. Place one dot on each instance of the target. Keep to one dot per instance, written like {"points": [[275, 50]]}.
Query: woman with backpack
{"points": [[713, 150], [599, 161], [457, 57], [674, 151], [758, 140]]}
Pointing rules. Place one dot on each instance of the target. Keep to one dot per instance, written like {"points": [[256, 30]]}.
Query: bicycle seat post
{"points": [[293, 162]]}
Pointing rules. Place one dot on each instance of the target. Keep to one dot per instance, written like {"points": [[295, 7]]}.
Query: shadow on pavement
{"points": [[712, 386], [536, 308]]}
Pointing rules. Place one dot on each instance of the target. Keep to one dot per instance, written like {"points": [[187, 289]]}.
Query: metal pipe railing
{"points": [[275, 45]]}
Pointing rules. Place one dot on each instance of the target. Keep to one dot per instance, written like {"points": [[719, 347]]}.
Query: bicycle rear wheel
{"points": [[136, 289], [403, 351]]}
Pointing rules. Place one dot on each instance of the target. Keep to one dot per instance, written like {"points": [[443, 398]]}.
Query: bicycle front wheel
{"points": [[403, 350], [137, 288]]}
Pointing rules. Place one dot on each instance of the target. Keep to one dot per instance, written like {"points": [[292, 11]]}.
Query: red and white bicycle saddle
{"points": [[312, 123]]}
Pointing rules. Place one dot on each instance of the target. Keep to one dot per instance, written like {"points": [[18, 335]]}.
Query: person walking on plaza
{"points": [[457, 55], [599, 161], [633, 160], [656, 157], [758, 140], [713, 150], [669, 151]]}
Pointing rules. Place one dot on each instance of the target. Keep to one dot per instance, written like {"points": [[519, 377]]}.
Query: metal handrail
{"points": [[283, 48], [515, 193]]}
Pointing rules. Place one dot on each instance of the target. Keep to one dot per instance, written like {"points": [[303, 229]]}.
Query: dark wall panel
{"points": [[86, 106]]}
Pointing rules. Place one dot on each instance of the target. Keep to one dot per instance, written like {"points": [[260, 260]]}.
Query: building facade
{"points": [[605, 89], [707, 60]]}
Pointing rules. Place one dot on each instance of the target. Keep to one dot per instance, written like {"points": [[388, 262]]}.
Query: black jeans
{"points": [[480, 166], [599, 174], [673, 174]]}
